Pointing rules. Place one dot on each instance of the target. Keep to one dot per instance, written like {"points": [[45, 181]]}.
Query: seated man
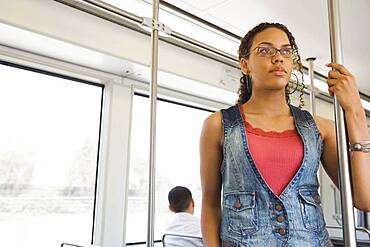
{"points": [[184, 223]]}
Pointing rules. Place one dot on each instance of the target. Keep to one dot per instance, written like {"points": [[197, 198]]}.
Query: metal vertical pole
{"points": [[312, 91], [349, 232], [153, 112]]}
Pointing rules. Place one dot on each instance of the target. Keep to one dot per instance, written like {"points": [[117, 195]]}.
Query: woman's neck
{"points": [[267, 103]]}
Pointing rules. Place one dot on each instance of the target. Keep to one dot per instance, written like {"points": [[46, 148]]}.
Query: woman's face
{"points": [[269, 71]]}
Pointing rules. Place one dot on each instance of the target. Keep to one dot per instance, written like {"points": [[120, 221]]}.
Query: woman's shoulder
{"points": [[213, 124], [212, 131], [324, 125], [213, 121]]}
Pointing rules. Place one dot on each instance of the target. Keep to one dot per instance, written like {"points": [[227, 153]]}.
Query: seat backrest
{"points": [[76, 245], [181, 240]]}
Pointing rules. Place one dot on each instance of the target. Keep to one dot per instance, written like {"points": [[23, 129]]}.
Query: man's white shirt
{"points": [[184, 224]]}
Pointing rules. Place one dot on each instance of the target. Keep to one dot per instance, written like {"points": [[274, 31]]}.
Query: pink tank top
{"points": [[277, 155]]}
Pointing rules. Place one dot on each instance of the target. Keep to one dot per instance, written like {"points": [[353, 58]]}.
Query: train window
{"points": [[49, 135], [177, 162]]}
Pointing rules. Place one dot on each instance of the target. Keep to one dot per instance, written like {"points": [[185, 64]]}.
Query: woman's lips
{"points": [[278, 72]]}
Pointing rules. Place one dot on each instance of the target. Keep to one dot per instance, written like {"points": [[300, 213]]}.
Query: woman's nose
{"points": [[277, 58]]}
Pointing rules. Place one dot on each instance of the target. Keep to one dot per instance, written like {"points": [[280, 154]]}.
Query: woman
{"points": [[264, 153]]}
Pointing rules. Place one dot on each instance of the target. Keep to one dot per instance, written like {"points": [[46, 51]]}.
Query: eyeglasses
{"points": [[264, 51]]}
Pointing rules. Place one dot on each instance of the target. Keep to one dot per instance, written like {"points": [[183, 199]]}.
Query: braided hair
{"points": [[245, 89]]}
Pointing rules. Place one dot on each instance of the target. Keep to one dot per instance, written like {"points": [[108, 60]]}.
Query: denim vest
{"points": [[252, 215]]}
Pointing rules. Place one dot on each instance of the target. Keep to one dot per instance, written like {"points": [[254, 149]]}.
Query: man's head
{"points": [[180, 200]]}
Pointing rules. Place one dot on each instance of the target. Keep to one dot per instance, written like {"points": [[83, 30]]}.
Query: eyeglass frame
{"points": [[273, 48]]}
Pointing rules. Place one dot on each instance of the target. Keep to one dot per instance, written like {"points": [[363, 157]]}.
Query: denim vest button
{"points": [[237, 204], [280, 218], [278, 207], [281, 231]]}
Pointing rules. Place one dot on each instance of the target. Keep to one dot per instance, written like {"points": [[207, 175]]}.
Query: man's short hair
{"points": [[179, 198]]}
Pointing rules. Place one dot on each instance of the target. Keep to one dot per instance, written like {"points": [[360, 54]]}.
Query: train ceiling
{"points": [[308, 21]]}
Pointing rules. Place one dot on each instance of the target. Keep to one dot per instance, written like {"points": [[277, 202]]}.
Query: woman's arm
{"points": [[343, 84], [210, 163], [360, 165]]}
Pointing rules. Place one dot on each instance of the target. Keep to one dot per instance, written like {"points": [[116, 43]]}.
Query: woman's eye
{"points": [[263, 50], [286, 51]]}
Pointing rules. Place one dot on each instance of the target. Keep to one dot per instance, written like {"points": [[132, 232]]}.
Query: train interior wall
{"points": [[50, 36]]}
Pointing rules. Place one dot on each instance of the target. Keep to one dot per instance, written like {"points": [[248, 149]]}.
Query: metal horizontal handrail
{"points": [[359, 228]]}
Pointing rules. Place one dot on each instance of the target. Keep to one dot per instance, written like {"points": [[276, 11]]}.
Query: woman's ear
{"points": [[244, 66]]}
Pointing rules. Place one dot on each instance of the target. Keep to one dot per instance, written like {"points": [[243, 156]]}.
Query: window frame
{"points": [[78, 80], [111, 112]]}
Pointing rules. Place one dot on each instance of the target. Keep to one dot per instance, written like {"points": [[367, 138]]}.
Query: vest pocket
{"points": [[311, 211], [240, 208]]}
